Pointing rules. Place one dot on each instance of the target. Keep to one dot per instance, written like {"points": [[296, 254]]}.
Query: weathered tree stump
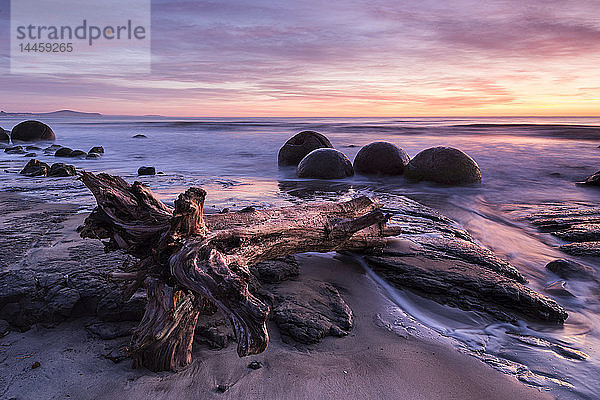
{"points": [[189, 260]]}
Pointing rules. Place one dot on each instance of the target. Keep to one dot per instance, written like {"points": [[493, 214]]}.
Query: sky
{"points": [[306, 58]]}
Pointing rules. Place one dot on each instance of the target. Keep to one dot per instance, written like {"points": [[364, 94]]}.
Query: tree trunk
{"points": [[186, 256]]}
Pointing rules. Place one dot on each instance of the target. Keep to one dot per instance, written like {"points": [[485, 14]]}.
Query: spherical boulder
{"points": [[299, 145], [381, 158], [325, 164], [444, 165], [4, 138], [31, 131], [62, 170]]}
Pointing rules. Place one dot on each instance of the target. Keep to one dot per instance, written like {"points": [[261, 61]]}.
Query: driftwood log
{"points": [[190, 262]]}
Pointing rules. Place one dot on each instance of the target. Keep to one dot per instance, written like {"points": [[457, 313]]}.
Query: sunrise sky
{"points": [[350, 58]]}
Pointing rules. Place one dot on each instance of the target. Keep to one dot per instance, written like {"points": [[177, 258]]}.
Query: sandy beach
{"points": [[371, 362]]}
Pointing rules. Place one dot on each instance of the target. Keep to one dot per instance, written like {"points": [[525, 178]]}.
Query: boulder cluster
{"points": [[314, 156]]}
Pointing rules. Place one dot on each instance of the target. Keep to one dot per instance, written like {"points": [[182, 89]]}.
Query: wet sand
{"points": [[372, 362]]}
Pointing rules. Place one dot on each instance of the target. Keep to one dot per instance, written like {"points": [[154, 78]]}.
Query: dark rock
{"points": [[255, 365], [299, 145], [567, 269], [45, 278], [91, 156], [222, 388], [63, 152], [464, 285], [30, 155], [4, 328], [443, 165], [77, 153], [277, 270], [381, 158], [35, 365], [593, 180], [575, 223], [110, 330], [117, 355], [97, 149], [52, 149], [140, 136], [307, 312], [14, 150], [62, 170], [32, 148], [146, 171], [325, 164], [558, 288], [35, 168], [214, 330], [31, 131], [4, 136]]}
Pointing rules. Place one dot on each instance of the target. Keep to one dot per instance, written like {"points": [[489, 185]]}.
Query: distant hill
{"points": [[61, 113]]}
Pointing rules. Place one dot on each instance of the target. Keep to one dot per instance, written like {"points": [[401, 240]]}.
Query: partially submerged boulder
{"points": [[299, 145], [62, 170], [444, 165], [35, 168], [325, 164], [593, 180], [63, 152], [146, 171], [381, 158], [32, 131], [4, 138], [15, 150], [97, 150], [568, 269]]}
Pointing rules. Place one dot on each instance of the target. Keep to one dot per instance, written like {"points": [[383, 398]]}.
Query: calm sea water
{"points": [[525, 162]]}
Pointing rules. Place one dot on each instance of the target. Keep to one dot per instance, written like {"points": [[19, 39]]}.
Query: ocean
{"points": [[527, 163]]}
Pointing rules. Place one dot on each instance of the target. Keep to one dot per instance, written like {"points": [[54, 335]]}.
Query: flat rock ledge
{"points": [[438, 260], [578, 225], [48, 274]]}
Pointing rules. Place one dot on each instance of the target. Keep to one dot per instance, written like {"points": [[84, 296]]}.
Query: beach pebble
{"points": [[255, 365], [325, 164], [299, 145], [14, 150], [222, 388], [63, 152], [146, 171], [61, 170], [35, 365], [97, 149], [31, 131], [444, 165], [4, 136], [567, 269], [35, 168], [381, 158]]}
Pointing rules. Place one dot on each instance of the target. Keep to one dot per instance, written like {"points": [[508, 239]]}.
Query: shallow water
{"points": [[525, 161]]}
